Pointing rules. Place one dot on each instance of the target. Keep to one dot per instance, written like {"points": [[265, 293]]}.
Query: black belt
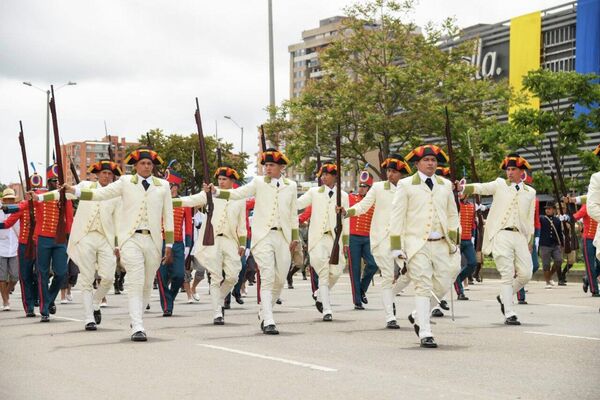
{"points": [[327, 233], [143, 231], [435, 240], [513, 229], [220, 234], [275, 229]]}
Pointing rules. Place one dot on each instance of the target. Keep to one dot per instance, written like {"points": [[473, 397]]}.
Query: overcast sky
{"points": [[139, 64]]}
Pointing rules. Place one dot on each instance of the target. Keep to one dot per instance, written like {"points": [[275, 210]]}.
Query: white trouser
{"points": [[328, 273], [385, 263], [273, 259], [512, 258], [433, 268], [94, 253], [224, 264], [141, 259]]}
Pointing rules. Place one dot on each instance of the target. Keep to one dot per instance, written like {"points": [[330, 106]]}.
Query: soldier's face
{"points": [[549, 211], [105, 177], [362, 190], [328, 179], [273, 170], [393, 175], [513, 174], [174, 190], [225, 182], [144, 167], [52, 184], [427, 165]]}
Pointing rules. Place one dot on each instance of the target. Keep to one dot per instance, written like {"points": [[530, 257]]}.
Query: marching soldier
{"points": [[274, 229], [360, 244], [174, 272], [146, 207], [521, 295], [509, 232], [592, 264], [93, 240], [425, 232], [48, 251], [223, 259], [468, 225], [27, 276], [381, 196], [321, 235]]}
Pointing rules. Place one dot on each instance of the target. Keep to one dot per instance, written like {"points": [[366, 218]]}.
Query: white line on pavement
{"points": [[283, 360], [69, 319], [559, 335]]}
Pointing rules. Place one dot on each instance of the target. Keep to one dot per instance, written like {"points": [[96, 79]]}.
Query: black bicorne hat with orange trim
{"points": [[514, 160], [443, 172], [141, 153], [596, 151], [427, 150], [397, 162], [330, 168], [227, 172], [105, 165], [274, 156]]}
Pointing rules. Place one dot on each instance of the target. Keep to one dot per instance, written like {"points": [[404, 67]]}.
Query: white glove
{"points": [[186, 252], [399, 254], [563, 218], [481, 207], [537, 242], [247, 253], [473, 241]]}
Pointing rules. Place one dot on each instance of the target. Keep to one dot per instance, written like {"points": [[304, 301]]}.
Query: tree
{"points": [[181, 148], [386, 85]]}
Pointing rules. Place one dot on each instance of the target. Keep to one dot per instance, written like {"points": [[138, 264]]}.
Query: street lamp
{"points": [[70, 83], [241, 128]]}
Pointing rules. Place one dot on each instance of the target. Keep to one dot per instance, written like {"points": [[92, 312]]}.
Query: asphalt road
{"points": [[554, 355]]}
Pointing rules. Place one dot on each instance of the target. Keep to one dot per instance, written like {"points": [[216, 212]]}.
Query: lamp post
{"points": [[48, 114], [242, 130]]}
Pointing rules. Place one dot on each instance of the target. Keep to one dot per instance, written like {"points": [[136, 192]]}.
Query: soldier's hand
{"points": [[67, 188], [30, 195], [459, 186], [293, 245], [241, 251], [399, 254], [117, 252], [346, 251], [340, 210], [168, 258]]}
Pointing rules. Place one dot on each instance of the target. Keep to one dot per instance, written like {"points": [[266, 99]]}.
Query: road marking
{"points": [[69, 319], [282, 360], [559, 335]]}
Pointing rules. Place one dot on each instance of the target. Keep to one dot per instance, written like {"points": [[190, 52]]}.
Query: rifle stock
{"points": [[61, 226], [451, 155], [334, 258], [30, 247], [209, 238], [478, 213]]}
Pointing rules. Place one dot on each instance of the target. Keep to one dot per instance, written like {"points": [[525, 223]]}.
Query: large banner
{"points": [[587, 50], [525, 51]]}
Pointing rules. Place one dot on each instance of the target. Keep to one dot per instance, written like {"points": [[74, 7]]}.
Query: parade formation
{"points": [[420, 223]]}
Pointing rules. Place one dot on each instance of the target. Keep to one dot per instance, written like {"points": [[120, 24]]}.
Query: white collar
{"points": [[148, 179], [424, 177], [520, 184]]}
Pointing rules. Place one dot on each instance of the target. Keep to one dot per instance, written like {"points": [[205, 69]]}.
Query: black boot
{"points": [[290, 276], [476, 274], [566, 269]]}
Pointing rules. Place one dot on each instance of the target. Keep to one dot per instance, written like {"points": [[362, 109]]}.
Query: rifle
{"points": [[334, 258], [30, 247], [318, 150], [61, 226], [209, 238], [263, 139], [571, 243], [478, 213], [111, 155], [452, 159], [72, 167]]}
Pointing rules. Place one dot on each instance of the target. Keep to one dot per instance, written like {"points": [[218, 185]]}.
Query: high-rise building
{"points": [[83, 154]]}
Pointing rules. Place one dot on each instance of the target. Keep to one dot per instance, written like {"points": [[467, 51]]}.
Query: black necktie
{"points": [[517, 187], [145, 184], [429, 183], [277, 184], [330, 193]]}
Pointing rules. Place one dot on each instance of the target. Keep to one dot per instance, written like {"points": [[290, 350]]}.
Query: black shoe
{"points": [[147, 306], [52, 308], [595, 294], [90, 326], [436, 312], [45, 318], [219, 321], [444, 305], [414, 324], [290, 285], [358, 307], [97, 316], [462, 296], [562, 283], [278, 301], [478, 278], [428, 342], [522, 302], [512, 321], [319, 306], [238, 298], [117, 291], [167, 313], [227, 306], [139, 336], [501, 304], [392, 324], [327, 317], [270, 330], [586, 285], [470, 280], [363, 298]]}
